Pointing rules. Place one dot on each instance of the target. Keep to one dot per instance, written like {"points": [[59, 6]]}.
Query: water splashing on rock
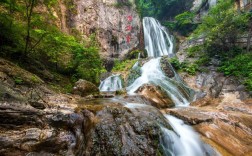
{"points": [[111, 84]]}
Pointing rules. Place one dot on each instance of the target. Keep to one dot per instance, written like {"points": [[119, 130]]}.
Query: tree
{"points": [[29, 4], [161, 8], [221, 27]]}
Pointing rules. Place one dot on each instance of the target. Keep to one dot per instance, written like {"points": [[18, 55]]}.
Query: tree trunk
{"points": [[29, 10]]}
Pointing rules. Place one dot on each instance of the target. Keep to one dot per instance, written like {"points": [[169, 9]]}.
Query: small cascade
{"points": [[183, 141], [111, 84], [156, 39], [152, 73]]}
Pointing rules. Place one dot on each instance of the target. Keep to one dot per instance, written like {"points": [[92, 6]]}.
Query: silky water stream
{"points": [[182, 140]]}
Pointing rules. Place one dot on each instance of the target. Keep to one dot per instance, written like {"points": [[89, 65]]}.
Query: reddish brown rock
{"points": [[156, 96], [190, 115], [227, 124]]}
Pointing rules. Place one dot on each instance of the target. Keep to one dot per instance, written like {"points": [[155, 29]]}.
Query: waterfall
{"points": [[156, 39], [111, 84], [152, 73], [183, 141], [159, 43]]}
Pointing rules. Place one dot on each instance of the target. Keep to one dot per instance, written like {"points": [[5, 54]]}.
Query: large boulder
{"points": [[129, 130], [156, 96], [85, 88]]}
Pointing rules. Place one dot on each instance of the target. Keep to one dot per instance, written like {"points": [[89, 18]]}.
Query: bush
{"points": [[203, 60], [57, 51], [190, 68], [175, 63], [124, 65], [194, 50], [240, 66], [134, 54], [221, 28]]}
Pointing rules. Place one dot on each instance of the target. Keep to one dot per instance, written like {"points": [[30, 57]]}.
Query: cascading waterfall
{"points": [[111, 84], [159, 43], [152, 73], [187, 141], [183, 141], [156, 39]]}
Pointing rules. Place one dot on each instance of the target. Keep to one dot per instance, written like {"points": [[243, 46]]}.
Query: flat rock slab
{"points": [[190, 115], [234, 139]]}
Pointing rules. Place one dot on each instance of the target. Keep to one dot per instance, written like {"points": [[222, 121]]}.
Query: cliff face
{"points": [[115, 23], [201, 7]]}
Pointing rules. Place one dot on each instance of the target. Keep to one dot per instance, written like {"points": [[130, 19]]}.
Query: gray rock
{"points": [[37, 105], [240, 88], [85, 88], [110, 23]]}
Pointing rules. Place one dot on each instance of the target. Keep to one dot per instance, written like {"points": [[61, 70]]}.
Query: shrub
{"points": [[240, 66], [194, 50], [175, 63], [124, 65]]}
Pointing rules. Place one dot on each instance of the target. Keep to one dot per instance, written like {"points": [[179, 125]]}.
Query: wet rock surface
{"points": [[126, 131], [156, 96], [38, 121], [85, 88], [192, 116], [167, 67], [133, 75], [221, 112]]}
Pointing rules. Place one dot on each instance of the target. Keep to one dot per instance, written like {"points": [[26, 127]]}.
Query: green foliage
{"points": [[18, 80], [221, 27], [161, 8], [171, 25], [248, 82], [59, 52], [240, 66], [194, 50], [124, 65], [203, 60], [183, 23], [88, 62], [35, 79], [190, 68], [175, 63], [134, 54], [185, 18]]}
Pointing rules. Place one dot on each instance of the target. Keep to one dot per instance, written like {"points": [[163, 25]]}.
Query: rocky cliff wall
{"points": [[115, 22], [201, 7]]}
